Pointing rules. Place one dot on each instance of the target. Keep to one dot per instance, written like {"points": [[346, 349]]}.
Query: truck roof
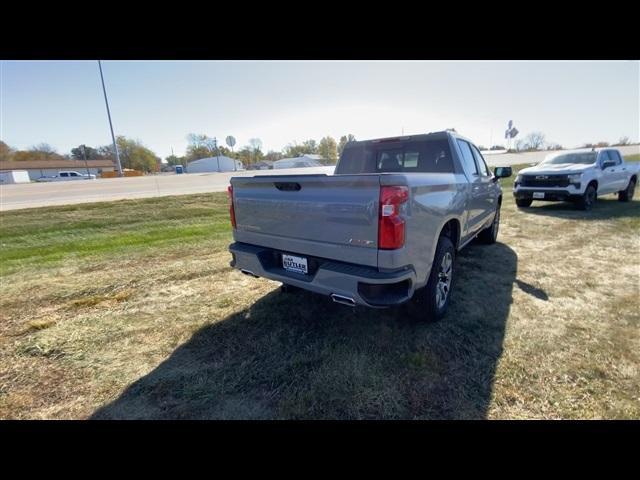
{"points": [[422, 136]]}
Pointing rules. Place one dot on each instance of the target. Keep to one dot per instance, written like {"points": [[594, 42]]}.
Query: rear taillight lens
{"points": [[232, 212], [390, 223]]}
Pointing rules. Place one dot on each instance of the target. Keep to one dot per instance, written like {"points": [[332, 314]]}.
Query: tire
{"points": [[490, 234], [438, 285], [524, 202], [626, 195], [588, 199]]}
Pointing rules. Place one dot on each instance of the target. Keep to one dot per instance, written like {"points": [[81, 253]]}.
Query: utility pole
{"points": [[84, 155], [215, 145], [113, 137]]}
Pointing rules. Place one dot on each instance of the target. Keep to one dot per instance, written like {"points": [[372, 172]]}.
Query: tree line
{"points": [[136, 156], [202, 146], [133, 154]]}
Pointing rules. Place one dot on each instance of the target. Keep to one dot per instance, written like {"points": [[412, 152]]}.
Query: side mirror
{"points": [[608, 163], [502, 172]]}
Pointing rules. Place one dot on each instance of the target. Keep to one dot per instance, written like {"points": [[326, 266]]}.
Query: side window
{"points": [[64, 174], [615, 156], [468, 162], [73, 174], [604, 157], [482, 165]]}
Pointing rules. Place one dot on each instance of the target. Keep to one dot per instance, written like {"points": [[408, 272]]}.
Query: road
{"points": [[31, 195]]}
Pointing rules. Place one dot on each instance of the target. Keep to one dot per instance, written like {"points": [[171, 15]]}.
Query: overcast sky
{"points": [[160, 102]]}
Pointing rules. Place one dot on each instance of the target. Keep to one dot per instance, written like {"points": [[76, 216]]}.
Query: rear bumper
{"points": [[365, 285]]}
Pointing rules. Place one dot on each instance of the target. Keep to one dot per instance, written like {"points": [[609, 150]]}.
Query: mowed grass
{"points": [[129, 309]]}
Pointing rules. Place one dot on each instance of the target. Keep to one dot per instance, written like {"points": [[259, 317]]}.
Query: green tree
{"points": [[343, 141], [91, 153], [294, 150], [245, 155], [133, 155], [40, 152], [175, 160], [255, 145], [6, 152], [201, 146], [272, 156], [328, 149]]}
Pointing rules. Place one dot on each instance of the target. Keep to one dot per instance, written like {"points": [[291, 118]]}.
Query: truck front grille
{"points": [[545, 181]]}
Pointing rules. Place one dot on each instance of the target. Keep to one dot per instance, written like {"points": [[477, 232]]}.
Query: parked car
{"points": [[66, 176], [579, 176], [385, 227]]}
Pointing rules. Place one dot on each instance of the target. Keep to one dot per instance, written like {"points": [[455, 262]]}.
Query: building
{"points": [[306, 160], [41, 168], [14, 176], [214, 164]]}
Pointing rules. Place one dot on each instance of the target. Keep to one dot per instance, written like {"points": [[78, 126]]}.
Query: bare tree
{"points": [[255, 143], [623, 141], [535, 140]]}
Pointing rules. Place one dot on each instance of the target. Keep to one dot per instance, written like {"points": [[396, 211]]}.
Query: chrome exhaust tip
{"points": [[249, 272], [350, 302]]}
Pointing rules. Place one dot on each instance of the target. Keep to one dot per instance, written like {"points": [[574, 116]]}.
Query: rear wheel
{"points": [[626, 195], [588, 199], [524, 202], [490, 234], [437, 293]]}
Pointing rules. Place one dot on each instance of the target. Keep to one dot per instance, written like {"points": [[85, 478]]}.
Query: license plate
{"points": [[538, 194], [294, 264]]}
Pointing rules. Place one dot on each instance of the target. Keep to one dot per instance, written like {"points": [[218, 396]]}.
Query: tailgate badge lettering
{"points": [[359, 242]]}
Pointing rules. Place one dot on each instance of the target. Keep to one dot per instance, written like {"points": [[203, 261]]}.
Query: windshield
{"points": [[586, 158], [424, 156]]}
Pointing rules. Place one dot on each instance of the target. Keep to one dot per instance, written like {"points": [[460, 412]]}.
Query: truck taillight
{"points": [[390, 223], [232, 212]]}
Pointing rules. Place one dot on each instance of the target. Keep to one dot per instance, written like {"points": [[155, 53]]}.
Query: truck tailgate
{"points": [[330, 216]]}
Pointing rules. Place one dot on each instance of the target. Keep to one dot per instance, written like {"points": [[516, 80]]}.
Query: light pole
{"points": [[113, 137]]}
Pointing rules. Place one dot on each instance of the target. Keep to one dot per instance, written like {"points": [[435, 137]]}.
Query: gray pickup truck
{"points": [[385, 226]]}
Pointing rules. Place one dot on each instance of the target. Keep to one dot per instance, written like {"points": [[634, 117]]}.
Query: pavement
{"points": [[32, 195]]}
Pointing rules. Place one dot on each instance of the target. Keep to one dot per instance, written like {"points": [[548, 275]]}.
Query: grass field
{"points": [[129, 309]]}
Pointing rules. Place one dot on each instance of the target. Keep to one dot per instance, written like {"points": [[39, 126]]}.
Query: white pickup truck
{"points": [[577, 175], [67, 176]]}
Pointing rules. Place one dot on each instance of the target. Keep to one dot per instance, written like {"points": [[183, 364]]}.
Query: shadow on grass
{"points": [[606, 208], [298, 355]]}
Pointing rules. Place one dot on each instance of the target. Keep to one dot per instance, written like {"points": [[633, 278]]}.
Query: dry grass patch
{"points": [[155, 324]]}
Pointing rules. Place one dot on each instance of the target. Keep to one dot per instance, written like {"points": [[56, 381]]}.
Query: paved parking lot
{"points": [[62, 193]]}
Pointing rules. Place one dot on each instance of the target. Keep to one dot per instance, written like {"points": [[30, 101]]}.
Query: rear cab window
{"points": [[403, 156]]}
